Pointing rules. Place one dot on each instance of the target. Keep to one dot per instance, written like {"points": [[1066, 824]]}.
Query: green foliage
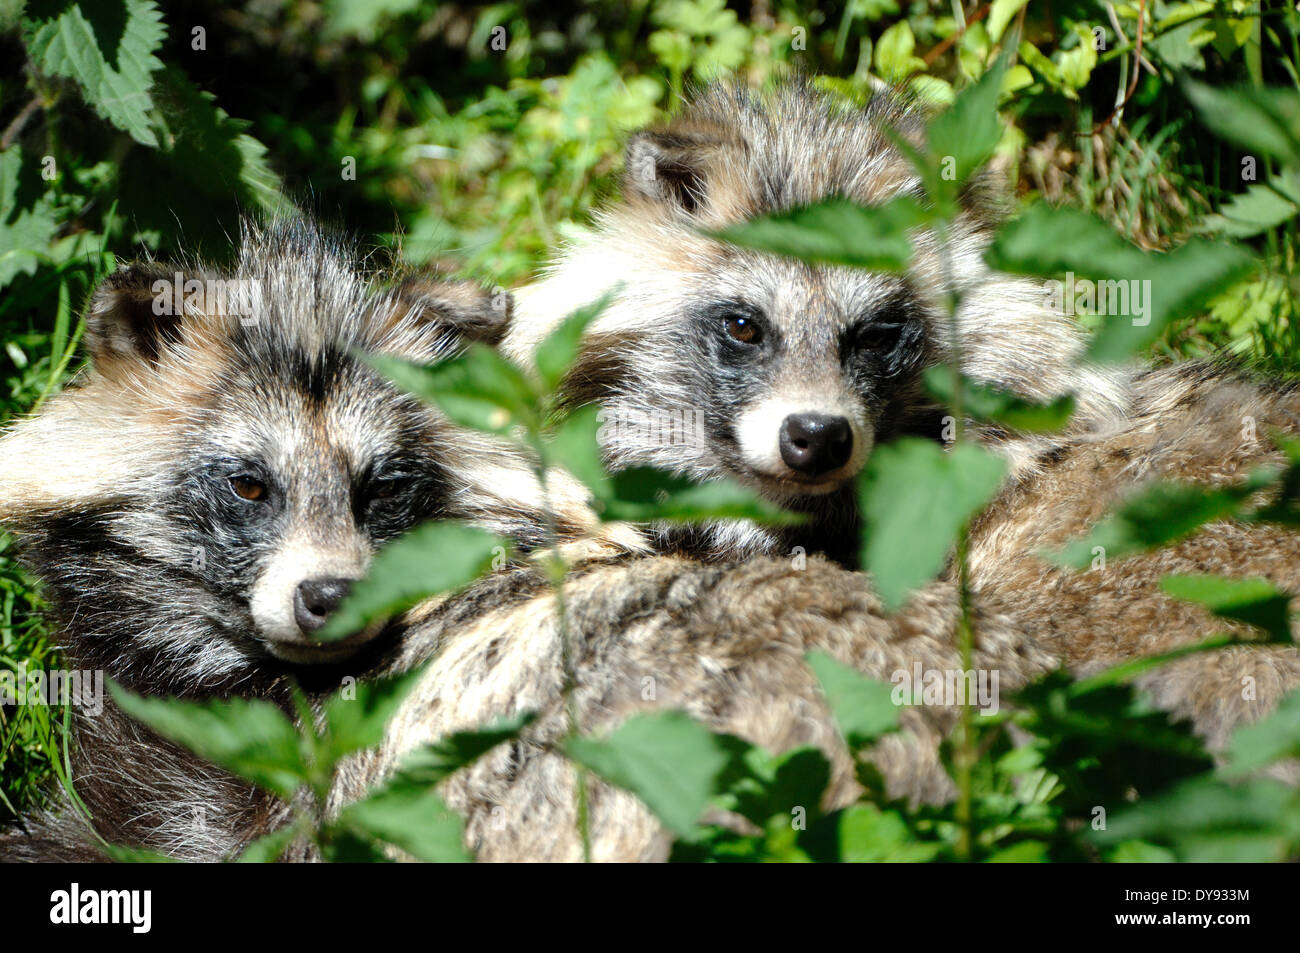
{"points": [[120, 138]]}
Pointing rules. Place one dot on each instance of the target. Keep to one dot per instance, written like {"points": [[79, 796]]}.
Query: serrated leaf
{"points": [[915, 497], [1155, 515], [1256, 602], [645, 494], [1266, 121], [863, 708], [430, 764], [1155, 289], [431, 559], [1256, 210], [480, 389], [963, 137], [988, 403], [1268, 740], [28, 222], [415, 820], [667, 760], [115, 82], [559, 348], [356, 716], [835, 231], [251, 738]]}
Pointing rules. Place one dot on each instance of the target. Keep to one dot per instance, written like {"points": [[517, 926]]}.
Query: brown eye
{"points": [[247, 489], [743, 329]]}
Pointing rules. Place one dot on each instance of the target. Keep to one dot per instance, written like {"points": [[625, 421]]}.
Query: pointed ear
{"points": [[673, 166], [458, 312], [133, 316]]}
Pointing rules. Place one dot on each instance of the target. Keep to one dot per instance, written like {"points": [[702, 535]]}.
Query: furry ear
{"points": [[133, 314], [672, 166], [460, 312]]}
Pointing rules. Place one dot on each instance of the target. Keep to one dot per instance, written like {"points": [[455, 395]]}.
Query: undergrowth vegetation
{"points": [[478, 138]]}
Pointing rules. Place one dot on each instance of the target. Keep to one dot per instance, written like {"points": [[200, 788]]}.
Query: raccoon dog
{"points": [[202, 498], [718, 361]]}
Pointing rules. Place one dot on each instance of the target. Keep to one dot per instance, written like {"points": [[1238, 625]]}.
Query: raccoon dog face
{"points": [[228, 466], [718, 361]]}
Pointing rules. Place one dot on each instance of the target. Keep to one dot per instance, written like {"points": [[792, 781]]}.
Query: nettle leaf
{"points": [[253, 739], [413, 819], [964, 137], [1154, 289], [988, 403], [1256, 602], [109, 55], [1205, 820], [29, 221], [430, 764], [575, 446], [835, 231], [863, 834], [1156, 515], [1268, 740], [1261, 120], [864, 709], [643, 494], [356, 716], [559, 349], [776, 786], [431, 559], [1256, 210], [270, 847], [666, 759], [915, 498], [480, 389]]}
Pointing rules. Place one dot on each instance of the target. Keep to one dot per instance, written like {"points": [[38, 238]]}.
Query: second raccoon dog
{"points": [[719, 361], [199, 500]]}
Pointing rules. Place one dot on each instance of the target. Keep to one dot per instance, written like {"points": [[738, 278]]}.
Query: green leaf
{"points": [[964, 136], [1268, 740], [1155, 515], [575, 446], [430, 764], [1266, 121], [894, 59], [1256, 602], [644, 494], [28, 223], [988, 403], [356, 716], [135, 855], [1140, 852], [251, 738], [431, 559], [559, 349], [1000, 15], [415, 820], [1205, 820], [915, 498], [667, 760], [864, 709], [270, 847], [1153, 289], [835, 231], [1256, 210], [115, 80], [1026, 852], [480, 389], [868, 835]]}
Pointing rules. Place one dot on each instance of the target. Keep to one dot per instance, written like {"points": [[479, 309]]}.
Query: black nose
{"points": [[316, 599], [815, 443]]}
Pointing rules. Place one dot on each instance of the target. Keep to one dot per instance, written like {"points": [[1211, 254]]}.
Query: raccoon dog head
{"points": [[228, 465], [715, 360]]}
